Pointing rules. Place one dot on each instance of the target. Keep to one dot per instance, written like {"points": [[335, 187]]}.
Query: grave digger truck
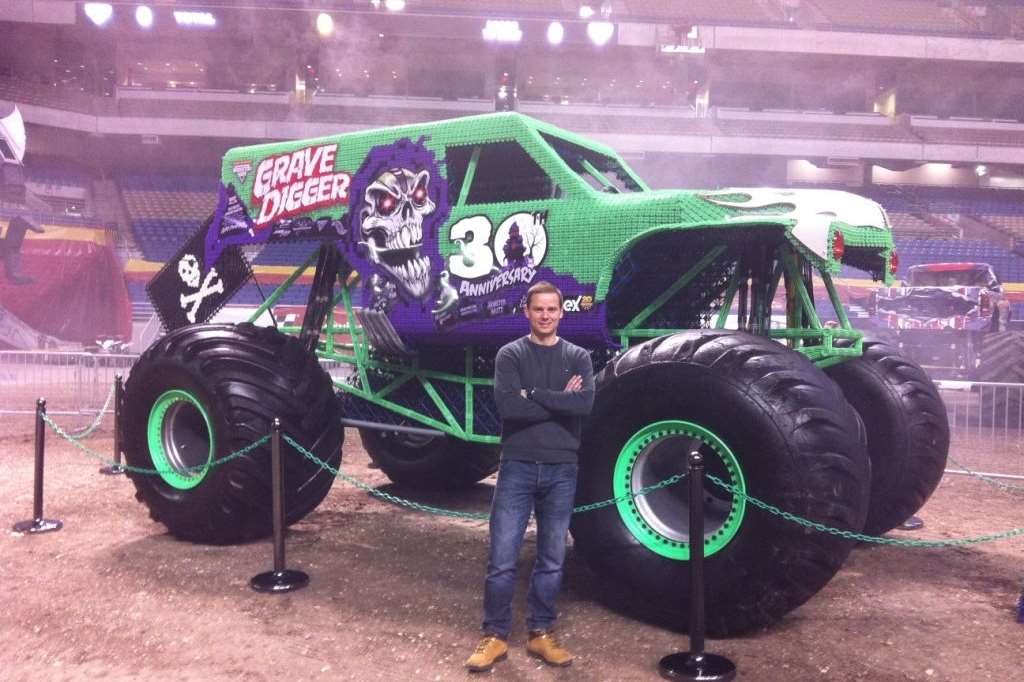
{"points": [[423, 241]]}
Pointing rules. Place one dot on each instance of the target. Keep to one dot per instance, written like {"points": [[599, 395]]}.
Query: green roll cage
{"points": [[752, 286]]}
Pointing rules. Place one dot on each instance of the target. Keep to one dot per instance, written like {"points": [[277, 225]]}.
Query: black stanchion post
{"points": [[116, 468], [280, 579], [696, 665], [38, 524]]}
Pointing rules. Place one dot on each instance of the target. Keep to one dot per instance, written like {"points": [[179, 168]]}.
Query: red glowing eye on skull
{"points": [[386, 204], [419, 195]]}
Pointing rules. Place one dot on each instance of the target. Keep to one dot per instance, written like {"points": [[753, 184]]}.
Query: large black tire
{"points": [[1002, 361], [795, 441], [430, 462], [242, 377], [907, 429]]}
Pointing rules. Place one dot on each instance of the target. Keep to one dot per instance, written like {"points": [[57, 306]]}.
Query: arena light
{"points": [[600, 32], [98, 12], [586, 11], [195, 18], [981, 170], [144, 16], [502, 31], [556, 32], [324, 24], [394, 5]]}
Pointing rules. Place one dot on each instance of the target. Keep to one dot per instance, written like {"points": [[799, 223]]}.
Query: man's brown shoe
{"points": [[489, 651], [544, 646]]}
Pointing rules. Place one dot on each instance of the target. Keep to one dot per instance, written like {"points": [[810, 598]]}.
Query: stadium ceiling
{"points": [[422, 20], [565, 11], [562, 10]]}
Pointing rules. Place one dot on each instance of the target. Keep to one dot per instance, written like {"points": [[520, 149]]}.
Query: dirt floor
{"points": [[396, 595]]}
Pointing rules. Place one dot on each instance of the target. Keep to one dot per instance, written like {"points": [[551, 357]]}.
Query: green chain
{"points": [[1009, 487], [87, 431], [476, 516], [141, 470], [480, 516], [850, 535]]}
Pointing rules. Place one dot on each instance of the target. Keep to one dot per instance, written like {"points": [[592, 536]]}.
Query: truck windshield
{"points": [[602, 172], [960, 277]]}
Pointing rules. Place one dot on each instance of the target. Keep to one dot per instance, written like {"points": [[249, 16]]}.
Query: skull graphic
{"points": [[189, 271], [394, 206]]}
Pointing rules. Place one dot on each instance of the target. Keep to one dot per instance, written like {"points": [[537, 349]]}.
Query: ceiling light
{"points": [[555, 33], [500, 31], [394, 5], [600, 32], [324, 24], [144, 16], [981, 170], [192, 18], [99, 12], [586, 11]]}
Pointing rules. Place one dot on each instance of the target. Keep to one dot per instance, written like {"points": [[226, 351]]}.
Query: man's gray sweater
{"points": [[545, 427]]}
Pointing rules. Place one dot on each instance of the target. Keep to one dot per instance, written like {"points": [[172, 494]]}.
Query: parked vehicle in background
{"points": [[941, 315], [954, 320]]}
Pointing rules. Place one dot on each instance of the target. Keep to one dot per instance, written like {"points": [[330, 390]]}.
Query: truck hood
{"points": [[926, 303], [812, 219], [815, 213]]}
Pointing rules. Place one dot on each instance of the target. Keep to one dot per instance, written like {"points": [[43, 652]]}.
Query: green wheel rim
{"points": [[659, 520], [180, 436]]}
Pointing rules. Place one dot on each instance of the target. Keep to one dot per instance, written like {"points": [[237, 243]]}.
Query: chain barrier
{"points": [[475, 516], [87, 431], [481, 516], [142, 470], [1009, 487], [851, 535]]}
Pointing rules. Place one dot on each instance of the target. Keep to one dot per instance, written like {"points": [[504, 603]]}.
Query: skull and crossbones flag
{"points": [[186, 291]]}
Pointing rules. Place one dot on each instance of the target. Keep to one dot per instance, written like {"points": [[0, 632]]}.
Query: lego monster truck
{"points": [[424, 240]]}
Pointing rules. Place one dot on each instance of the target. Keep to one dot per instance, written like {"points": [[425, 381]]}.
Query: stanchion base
{"points": [[38, 526], [913, 523], [279, 581], [703, 667], [112, 470]]}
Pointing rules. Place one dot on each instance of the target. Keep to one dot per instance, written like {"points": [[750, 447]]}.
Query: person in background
{"points": [[13, 194]]}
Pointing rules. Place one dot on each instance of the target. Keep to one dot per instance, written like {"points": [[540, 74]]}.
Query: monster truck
{"points": [[954, 319], [425, 239]]}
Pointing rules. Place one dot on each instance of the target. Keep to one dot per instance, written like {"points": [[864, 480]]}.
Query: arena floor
{"points": [[397, 596]]}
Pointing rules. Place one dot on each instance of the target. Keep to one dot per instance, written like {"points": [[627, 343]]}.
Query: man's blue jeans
{"points": [[548, 490]]}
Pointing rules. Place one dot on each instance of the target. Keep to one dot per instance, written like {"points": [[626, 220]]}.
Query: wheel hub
{"points": [[180, 436], [660, 519]]}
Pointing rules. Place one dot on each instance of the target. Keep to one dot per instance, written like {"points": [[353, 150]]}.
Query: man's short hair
{"points": [[543, 287]]}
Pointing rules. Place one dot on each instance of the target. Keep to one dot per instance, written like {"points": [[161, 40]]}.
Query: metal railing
{"points": [[986, 424], [73, 383], [984, 409], [986, 419]]}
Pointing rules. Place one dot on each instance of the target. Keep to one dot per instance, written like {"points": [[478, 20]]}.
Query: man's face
{"points": [[544, 313]]}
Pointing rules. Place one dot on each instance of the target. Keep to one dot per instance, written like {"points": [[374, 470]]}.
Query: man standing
{"points": [[543, 387]]}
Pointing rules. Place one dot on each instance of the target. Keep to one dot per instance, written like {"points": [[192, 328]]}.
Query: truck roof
{"points": [[461, 130], [950, 267]]}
